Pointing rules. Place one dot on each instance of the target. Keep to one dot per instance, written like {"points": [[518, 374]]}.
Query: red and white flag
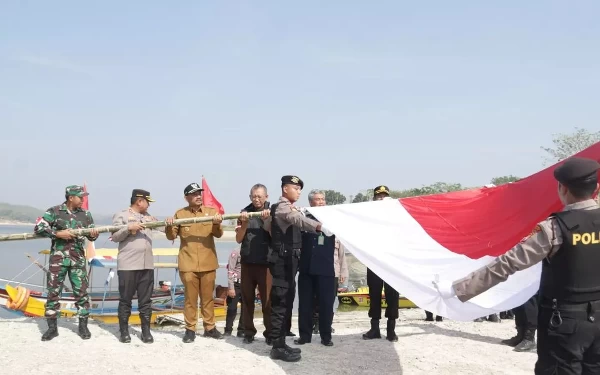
{"points": [[208, 199], [408, 241]]}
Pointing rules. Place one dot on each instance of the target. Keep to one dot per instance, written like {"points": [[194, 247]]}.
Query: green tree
{"points": [[504, 180], [333, 197], [363, 196], [566, 145]]}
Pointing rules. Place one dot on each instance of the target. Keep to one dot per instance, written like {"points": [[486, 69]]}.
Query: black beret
{"points": [[192, 188], [294, 180], [139, 193], [381, 189], [576, 170]]}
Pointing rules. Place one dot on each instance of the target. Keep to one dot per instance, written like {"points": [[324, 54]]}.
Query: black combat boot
{"points": [[528, 343], [374, 332], [124, 329], [281, 351], [84, 332], [52, 331], [391, 327], [515, 340], [146, 335]]}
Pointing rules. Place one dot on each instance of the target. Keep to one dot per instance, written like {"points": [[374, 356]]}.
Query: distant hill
{"points": [[19, 213], [12, 213]]}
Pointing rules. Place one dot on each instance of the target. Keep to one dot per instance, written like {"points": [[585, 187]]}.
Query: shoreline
{"points": [[423, 348], [15, 223]]}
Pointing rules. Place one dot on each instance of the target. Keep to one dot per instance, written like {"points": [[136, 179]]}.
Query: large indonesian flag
{"points": [[409, 241]]}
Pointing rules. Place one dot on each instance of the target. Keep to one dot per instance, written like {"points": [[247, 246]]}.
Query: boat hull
{"points": [[361, 298]]}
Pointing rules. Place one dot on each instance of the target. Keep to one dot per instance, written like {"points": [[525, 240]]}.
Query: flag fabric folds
{"points": [[409, 242], [208, 199]]}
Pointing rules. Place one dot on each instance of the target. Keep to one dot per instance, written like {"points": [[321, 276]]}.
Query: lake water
{"points": [[15, 265]]}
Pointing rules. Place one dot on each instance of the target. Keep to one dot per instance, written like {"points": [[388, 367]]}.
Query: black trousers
{"points": [[232, 310], [526, 315], [376, 285], [323, 288], [572, 346], [283, 293], [140, 282]]}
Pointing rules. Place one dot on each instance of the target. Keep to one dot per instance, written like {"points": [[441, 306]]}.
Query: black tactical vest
{"points": [[573, 273], [255, 245], [284, 242]]}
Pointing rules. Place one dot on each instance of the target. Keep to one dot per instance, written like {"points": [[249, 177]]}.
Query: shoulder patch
{"points": [[535, 230]]}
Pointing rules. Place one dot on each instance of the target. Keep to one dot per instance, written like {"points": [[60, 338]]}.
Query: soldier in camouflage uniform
{"points": [[67, 255]]}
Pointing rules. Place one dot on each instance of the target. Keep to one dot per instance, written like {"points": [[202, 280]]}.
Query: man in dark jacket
{"points": [[317, 277], [254, 249]]}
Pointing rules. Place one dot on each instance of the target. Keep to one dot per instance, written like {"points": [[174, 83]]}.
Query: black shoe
{"points": [[248, 339], [374, 332], [527, 345], [515, 340], [391, 327], [428, 316], [290, 334], [52, 331], [268, 341], [84, 332], [124, 329], [227, 332], [439, 318], [283, 352], [301, 341], [327, 342], [240, 334], [493, 318], [285, 355], [213, 334], [189, 336], [146, 335]]}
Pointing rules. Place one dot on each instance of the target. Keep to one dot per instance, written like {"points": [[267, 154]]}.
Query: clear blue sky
{"points": [[345, 94]]}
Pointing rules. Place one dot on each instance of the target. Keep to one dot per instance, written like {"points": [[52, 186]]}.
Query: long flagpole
{"points": [[114, 228]]}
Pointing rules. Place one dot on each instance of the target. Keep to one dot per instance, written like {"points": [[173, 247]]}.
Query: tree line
{"points": [[565, 145]]}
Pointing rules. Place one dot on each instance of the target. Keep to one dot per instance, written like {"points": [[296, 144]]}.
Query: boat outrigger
{"points": [[167, 299]]}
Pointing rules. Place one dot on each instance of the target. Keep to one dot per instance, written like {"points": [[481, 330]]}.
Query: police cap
{"points": [[576, 170], [139, 193], [293, 180], [381, 189]]}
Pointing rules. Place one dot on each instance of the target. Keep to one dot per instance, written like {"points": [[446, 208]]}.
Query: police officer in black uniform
{"points": [[376, 287], [568, 245], [285, 225], [317, 277]]}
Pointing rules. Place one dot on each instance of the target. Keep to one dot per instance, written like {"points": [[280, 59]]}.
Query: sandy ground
{"points": [[423, 348]]}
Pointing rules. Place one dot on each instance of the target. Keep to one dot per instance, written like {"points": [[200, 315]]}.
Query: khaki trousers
{"points": [[199, 284]]}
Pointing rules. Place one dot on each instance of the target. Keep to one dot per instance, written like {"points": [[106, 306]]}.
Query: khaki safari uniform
{"points": [[198, 263]]}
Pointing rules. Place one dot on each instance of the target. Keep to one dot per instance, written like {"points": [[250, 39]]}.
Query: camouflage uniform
{"points": [[66, 256]]}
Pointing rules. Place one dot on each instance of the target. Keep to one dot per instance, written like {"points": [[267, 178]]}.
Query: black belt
{"points": [[589, 308]]}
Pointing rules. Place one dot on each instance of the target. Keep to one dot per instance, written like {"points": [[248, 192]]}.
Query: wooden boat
{"points": [[360, 298], [21, 298]]}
